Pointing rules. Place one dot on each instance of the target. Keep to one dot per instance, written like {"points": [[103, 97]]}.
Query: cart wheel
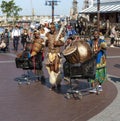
{"points": [[98, 92], [28, 83], [19, 83], [38, 79], [80, 95], [75, 95], [42, 80], [68, 95], [26, 78]]}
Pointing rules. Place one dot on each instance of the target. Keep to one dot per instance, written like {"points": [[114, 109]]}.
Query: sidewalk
{"points": [[36, 102], [112, 112]]}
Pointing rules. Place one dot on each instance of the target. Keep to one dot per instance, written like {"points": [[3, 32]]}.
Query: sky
{"points": [[63, 7]]}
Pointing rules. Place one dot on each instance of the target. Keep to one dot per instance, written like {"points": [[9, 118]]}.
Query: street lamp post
{"points": [[98, 15], [52, 3], [32, 11]]}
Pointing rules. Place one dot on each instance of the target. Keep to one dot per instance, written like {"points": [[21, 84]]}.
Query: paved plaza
{"points": [[35, 102]]}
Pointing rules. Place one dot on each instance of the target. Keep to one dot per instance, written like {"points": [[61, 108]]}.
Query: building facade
{"points": [[109, 10]]}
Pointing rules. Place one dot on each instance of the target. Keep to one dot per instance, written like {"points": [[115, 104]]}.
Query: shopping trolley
{"points": [[30, 65]]}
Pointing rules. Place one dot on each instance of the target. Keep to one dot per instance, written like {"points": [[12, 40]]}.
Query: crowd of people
{"points": [[114, 37], [46, 42], [4, 40]]}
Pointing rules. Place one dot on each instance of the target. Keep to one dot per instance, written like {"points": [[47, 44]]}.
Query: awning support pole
{"points": [[98, 15]]}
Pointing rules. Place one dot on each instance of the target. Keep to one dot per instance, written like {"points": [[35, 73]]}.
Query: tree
{"points": [[10, 9]]}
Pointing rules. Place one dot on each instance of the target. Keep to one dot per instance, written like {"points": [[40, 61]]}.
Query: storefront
{"points": [[108, 11]]}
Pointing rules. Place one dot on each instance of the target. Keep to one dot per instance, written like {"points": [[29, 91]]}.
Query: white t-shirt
{"points": [[46, 30], [15, 32]]}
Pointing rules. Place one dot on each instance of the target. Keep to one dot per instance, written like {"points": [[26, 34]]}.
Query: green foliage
{"points": [[10, 9]]}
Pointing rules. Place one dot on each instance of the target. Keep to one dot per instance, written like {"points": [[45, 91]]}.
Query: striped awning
{"points": [[103, 9]]}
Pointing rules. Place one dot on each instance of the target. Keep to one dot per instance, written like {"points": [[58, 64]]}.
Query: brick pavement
{"points": [[36, 102], [112, 112]]}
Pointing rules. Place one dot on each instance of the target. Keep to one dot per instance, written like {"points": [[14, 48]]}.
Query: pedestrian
{"points": [[2, 46], [68, 42], [98, 47], [24, 38], [73, 32], [113, 36], [16, 36], [68, 29], [36, 54], [54, 57], [101, 36], [43, 33], [6, 36]]}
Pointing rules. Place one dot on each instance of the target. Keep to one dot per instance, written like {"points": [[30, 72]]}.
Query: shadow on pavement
{"points": [[114, 79], [117, 66]]}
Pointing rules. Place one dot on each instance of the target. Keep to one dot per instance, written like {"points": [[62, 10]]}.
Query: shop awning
{"points": [[103, 9]]}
